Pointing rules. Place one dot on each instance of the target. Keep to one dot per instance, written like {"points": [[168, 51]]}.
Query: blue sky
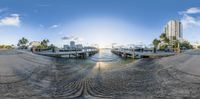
{"points": [[100, 22]]}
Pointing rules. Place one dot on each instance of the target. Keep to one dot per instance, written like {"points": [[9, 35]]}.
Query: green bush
{"points": [[5, 47], [186, 45], [198, 47]]}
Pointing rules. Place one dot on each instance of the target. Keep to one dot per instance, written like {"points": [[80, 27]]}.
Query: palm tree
{"points": [[22, 42], [156, 42], [44, 43], [163, 36]]}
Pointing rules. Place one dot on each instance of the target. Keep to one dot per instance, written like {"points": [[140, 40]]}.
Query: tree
{"points": [[163, 47], [166, 40], [156, 42], [44, 43], [163, 36], [22, 42], [175, 44], [52, 46], [198, 47], [186, 44]]}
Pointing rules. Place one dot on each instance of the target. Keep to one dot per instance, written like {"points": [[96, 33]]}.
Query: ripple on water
{"points": [[105, 55]]}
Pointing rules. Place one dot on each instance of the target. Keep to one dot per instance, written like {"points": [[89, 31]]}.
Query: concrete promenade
{"points": [[30, 76]]}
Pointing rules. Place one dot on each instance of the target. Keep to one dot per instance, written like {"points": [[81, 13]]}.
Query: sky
{"points": [[90, 22]]}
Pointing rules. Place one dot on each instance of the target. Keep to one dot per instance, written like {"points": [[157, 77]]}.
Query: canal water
{"points": [[105, 58], [105, 55]]}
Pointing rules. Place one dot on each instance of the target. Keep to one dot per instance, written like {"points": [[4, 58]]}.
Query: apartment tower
{"points": [[173, 30]]}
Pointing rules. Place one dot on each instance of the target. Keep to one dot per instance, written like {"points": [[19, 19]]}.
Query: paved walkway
{"points": [[24, 75], [192, 64]]}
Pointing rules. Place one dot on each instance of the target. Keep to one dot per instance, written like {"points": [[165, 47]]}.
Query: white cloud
{"points": [[188, 19], [54, 26], [191, 24], [73, 38], [193, 10], [12, 20], [68, 38]]}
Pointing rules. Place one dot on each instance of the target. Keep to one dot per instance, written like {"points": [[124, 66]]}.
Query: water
{"points": [[105, 55], [105, 58]]}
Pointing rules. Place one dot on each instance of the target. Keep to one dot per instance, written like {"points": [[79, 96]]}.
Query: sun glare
{"points": [[100, 30], [102, 45]]}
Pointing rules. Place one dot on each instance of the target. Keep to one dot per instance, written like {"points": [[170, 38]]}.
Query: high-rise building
{"points": [[72, 44], [173, 29]]}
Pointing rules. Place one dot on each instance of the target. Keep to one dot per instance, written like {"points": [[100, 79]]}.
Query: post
{"points": [[133, 53], [75, 52], [154, 50]]}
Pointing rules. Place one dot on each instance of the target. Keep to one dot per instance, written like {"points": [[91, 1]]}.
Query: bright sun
{"points": [[102, 45]]}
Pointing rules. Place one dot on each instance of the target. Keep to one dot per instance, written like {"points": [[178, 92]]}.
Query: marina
{"points": [[99, 49]]}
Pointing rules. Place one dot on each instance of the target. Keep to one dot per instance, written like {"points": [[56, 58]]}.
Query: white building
{"points": [[34, 44], [173, 29]]}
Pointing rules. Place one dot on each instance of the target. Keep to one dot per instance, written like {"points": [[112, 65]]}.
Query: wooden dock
{"points": [[84, 53], [124, 53], [131, 53]]}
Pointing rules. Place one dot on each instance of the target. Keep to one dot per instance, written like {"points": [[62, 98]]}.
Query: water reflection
{"points": [[106, 60], [101, 65], [102, 61], [105, 55]]}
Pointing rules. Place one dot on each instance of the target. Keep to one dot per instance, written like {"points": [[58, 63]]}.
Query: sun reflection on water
{"points": [[101, 65]]}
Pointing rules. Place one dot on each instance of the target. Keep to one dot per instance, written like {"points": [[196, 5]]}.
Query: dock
{"points": [[81, 53], [124, 53], [131, 53]]}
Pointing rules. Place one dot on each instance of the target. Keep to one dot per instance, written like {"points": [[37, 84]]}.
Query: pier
{"points": [[77, 53], [124, 52], [131, 53]]}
